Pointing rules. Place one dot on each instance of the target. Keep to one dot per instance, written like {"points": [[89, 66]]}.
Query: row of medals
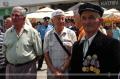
{"points": [[91, 64]]}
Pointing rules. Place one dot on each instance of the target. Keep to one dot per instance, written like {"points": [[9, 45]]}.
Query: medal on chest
{"points": [[91, 64]]}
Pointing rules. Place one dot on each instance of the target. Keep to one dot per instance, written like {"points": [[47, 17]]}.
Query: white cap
{"points": [[58, 12]]}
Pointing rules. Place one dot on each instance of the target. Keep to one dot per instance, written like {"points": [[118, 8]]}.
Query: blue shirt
{"points": [[116, 33], [43, 29]]}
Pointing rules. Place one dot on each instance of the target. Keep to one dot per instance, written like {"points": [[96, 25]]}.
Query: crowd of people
{"points": [[88, 51]]}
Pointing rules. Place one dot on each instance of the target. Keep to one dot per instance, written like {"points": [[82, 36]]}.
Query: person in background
{"points": [[8, 23], [22, 47], [71, 25], [116, 32], [39, 23], [2, 58], [109, 30], [78, 25], [57, 59], [95, 56], [42, 29], [33, 22]]}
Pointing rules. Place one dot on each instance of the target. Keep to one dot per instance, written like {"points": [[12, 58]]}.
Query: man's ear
{"points": [[100, 20]]}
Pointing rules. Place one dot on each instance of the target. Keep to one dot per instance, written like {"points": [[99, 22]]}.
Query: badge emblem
{"points": [[91, 64], [84, 69]]}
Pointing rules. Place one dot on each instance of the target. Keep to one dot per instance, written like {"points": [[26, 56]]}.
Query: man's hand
{"points": [[57, 73], [65, 65]]}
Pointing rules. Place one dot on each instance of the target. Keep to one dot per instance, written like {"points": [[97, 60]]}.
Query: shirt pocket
{"points": [[27, 44]]}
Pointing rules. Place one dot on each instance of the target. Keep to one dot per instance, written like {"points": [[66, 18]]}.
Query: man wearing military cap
{"points": [[46, 18], [95, 56]]}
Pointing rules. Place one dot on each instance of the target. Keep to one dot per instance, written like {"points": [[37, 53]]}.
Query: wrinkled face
{"points": [[90, 21], [17, 18], [58, 20]]}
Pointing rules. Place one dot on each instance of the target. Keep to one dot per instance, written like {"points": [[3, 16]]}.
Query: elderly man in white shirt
{"points": [[55, 55]]}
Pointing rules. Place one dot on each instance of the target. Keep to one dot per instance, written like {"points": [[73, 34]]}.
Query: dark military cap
{"points": [[46, 18], [90, 7]]}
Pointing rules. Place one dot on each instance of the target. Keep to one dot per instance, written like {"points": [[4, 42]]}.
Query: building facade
{"points": [[33, 5], [110, 4]]}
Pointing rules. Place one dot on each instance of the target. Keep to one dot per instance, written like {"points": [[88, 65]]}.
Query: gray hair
{"points": [[19, 9]]}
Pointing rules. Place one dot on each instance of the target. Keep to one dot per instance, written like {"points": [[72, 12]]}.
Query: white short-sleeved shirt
{"points": [[56, 52]]}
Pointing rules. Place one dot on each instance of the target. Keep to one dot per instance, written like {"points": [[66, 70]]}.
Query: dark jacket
{"points": [[108, 52]]}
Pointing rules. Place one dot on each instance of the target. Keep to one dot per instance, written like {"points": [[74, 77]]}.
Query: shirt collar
{"points": [[12, 28], [25, 27], [63, 32], [90, 39]]}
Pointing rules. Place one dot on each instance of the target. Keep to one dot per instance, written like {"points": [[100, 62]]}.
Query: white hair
{"points": [[58, 12], [19, 9]]}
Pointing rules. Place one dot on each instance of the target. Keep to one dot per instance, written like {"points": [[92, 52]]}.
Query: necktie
{"points": [[85, 47]]}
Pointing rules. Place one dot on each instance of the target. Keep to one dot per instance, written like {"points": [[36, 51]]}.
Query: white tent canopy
{"points": [[44, 12], [75, 6], [39, 15], [111, 13], [69, 13], [107, 13], [113, 10], [46, 9]]}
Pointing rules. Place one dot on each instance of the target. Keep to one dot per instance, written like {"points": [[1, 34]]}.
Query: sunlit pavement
{"points": [[42, 74]]}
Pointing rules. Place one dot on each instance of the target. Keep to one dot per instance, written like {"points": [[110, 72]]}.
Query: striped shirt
{"points": [[2, 57]]}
